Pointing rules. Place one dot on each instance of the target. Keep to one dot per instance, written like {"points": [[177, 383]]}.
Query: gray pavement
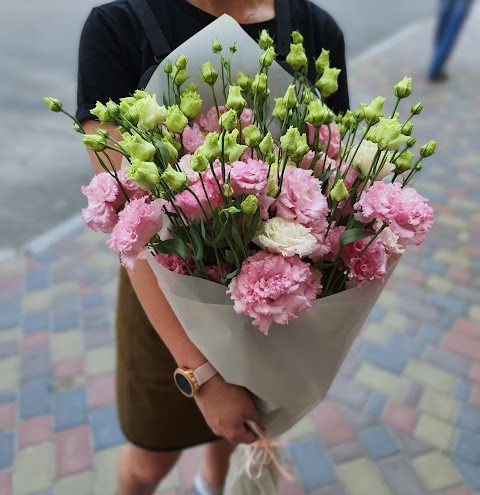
{"points": [[43, 163]]}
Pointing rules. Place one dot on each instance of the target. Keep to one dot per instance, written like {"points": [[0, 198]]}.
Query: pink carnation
{"points": [[332, 148], [323, 246], [132, 189], [301, 198], [192, 138], [174, 263], [208, 122], [190, 203], [324, 162], [213, 271], [210, 175], [265, 202], [248, 154], [249, 177], [246, 117], [137, 223], [406, 212], [271, 288], [333, 239]]}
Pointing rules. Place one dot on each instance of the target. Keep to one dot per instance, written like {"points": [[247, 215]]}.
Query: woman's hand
{"points": [[225, 408]]}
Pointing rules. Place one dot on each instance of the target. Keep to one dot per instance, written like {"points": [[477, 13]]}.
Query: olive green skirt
{"points": [[153, 414]]}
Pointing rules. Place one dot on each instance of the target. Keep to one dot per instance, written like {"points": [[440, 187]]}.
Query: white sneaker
{"points": [[203, 488]]}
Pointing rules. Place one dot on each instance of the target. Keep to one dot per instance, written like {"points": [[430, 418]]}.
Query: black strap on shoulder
{"points": [[282, 14], [156, 38]]}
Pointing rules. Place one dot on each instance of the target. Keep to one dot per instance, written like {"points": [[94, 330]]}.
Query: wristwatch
{"points": [[189, 381]]}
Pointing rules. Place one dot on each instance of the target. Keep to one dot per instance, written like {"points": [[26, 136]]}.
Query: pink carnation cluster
{"points": [[372, 265], [405, 210], [249, 177], [192, 138], [271, 288]]}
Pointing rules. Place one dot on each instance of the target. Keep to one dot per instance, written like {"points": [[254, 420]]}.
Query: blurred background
{"points": [[403, 415]]}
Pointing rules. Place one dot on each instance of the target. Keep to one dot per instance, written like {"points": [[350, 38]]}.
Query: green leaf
{"points": [[252, 228], [231, 275], [230, 257], [173, 246], [197, 243], [352, 235]]}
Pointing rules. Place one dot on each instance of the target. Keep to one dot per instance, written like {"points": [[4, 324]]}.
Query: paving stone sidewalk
{"points": [[403, 415]]}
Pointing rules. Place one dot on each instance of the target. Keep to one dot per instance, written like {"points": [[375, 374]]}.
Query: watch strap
{"points": [[204, 373]]}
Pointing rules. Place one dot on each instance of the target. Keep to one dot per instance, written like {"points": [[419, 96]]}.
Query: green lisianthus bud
{"points": [[199, 162], [296, 57], [297, 37], [252, 136], [94, 142], [273, 188], [138, 147], [428, 149], [103, 132], [77, 128], [290, 141], [208, 74], [228, 120], [167, 137], [403, 89], [419, 166], [231, 209], [339, 192], [265, 40], [411, 142], [181, 62], [167, 68], [290, 98], [139, 94], [53, 104], [178, 181], [267, 58], [102, 113], [280, 109], [171, 149], [176, 120], [374, 111], [235, 99], [270, 158], [145, 174], [179, 76], [216, 46], [417, 108], [267, 144], [403, 162], [210, 148], [232, 149], [318, 114], [191, 104], [302, 149], [328, 83], [372, 135], [233, 48], [249, 205], [359, 113], [243, 81], [407, 128], [228, 191], [150, 113], [307, 96], [396, 143], [259, 84], [388, 130], [113, 108], [128, 108], [323, 61]]}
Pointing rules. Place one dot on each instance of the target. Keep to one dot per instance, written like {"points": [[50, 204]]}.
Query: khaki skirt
{"points": [[153, 414]]}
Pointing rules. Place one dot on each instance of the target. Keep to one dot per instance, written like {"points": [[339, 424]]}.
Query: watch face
{"points": [[183, 384]]}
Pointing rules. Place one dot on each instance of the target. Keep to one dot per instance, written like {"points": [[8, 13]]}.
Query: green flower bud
{"points": [[137, 147], [171, 149], [179, 76], [259, 84], [359, 113], [231, 209], [103, 132], [102, 113], [53, 104], [396, 143], [372, 135], [297, 57], [403, 162], [235, 99], [267, 144], [113, 108], [267, 58], [94, 142], [417, 108], [208, 74], [290, 98], [216, 46], [428, 149], [139, 94], [318, 114], [181, 62], [273, 188], [249, 205], [190, 104], [210, 148], [167, 137], [302, 149], [233, 48], [339, 192], [297, 37], [374, 111], [167, 68], [145, 174], [411, 142], [228, 192], [252, 136], [150, 113], [323, 61], [270, 158], [77, 128], [388, 130], [243, 81], [280, 109], [290, 140], [265, 40], [328, 83], [419, 166], [178, 181], [232, 149], [407, 128], [176, 120], [403, 89], [199, 162], [228, 120], [307, 96], [128, 108]]}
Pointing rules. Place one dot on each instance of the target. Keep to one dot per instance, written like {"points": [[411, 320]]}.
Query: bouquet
{"points": [[272, 224]]}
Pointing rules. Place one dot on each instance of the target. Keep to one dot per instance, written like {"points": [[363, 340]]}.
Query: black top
{"points": [[114, 51]]}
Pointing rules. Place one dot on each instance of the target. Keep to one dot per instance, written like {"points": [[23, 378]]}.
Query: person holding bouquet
{"points": [[120, 43]]}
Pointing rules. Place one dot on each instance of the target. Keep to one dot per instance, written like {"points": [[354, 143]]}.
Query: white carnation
{"points": [[390, 241], [285, 237], [364, 155]]}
